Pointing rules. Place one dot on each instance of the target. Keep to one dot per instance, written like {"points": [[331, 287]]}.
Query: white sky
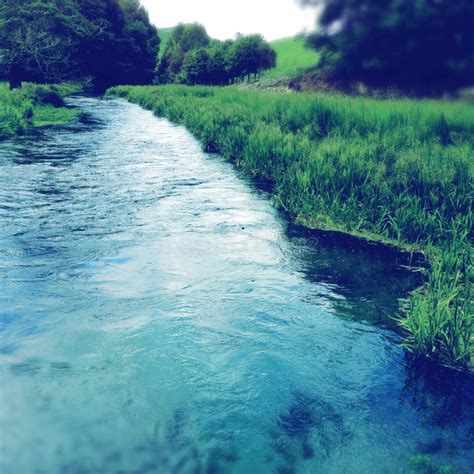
{"points": [[223, 19]]}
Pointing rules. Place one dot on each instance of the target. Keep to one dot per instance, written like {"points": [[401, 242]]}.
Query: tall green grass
{"points": [[33, 105], [399, 171], [16, 112]]}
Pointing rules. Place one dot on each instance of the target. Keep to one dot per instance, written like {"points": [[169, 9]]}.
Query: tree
{"points": [[219, 66], [412, 44], [184, 38], [101, 55], [191, 57], [207, 65], [141, 43], [111, 41], [250, 55], [196, 67], [126, 46], [37, 39]]}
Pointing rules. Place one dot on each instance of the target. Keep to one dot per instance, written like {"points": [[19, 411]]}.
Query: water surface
{"points": [[159, 315]]}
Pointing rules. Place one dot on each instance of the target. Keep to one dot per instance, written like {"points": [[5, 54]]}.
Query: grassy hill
{"points": [[292, 57], [164, 34]]}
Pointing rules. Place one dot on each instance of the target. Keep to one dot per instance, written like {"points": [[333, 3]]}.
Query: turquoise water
{"points": [[159, 315]]}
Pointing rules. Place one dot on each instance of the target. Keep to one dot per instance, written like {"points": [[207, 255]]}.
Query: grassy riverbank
{"points": [[34, 106], [398, 171]]}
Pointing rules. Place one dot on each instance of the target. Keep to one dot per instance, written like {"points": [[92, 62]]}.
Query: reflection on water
{"points": [[158, 315]]}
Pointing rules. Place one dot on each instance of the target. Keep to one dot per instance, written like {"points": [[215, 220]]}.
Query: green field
{"points": [[34, 106], [398, 171], [292, 57]]}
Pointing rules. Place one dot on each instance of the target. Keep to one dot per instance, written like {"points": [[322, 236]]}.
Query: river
{"points": [[160, 315]]}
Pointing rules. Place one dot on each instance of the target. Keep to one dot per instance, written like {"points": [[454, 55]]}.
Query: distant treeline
{"points": [[109, 42], [192, 57], [106, 41]]}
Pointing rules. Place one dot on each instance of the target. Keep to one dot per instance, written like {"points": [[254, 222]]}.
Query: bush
{"points": [[44, 95]]}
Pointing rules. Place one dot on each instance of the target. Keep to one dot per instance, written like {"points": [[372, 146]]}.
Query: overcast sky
{"points": [[223, 19]]}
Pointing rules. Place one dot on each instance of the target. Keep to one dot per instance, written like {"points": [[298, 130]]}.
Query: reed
{"points": [[400, 171]]}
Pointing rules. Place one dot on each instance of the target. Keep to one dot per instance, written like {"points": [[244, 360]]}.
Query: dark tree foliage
{"points": [[420, 45], [141, 43], [125, 47], [109, 41], [192, 58], [219, 66], [250, 55], [37, 39], [197, 68]]}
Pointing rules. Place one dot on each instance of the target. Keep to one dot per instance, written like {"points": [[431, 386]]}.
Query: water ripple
{"points": [[158, 315]]}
